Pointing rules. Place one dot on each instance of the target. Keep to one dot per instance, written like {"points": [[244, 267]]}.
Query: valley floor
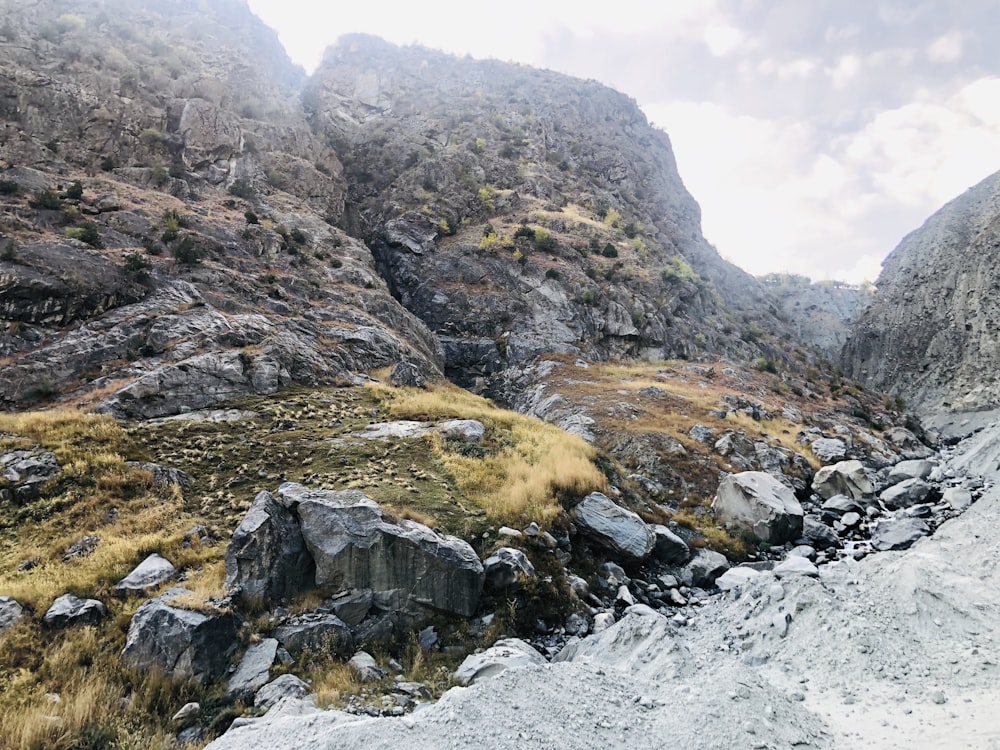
{"points": [[899, 650]]}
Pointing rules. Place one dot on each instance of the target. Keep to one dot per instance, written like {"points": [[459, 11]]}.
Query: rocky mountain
{"points": [[821, 312], [930, 333]]}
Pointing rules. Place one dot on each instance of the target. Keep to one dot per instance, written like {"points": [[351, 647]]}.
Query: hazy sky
{"points": [[814, 133]]}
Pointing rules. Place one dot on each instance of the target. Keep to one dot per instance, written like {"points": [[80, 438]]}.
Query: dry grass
{"points": [[531, 467]]}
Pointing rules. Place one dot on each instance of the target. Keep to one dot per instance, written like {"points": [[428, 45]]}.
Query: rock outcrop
{"points": [[929, 335], [613, 527], [757, 503]]}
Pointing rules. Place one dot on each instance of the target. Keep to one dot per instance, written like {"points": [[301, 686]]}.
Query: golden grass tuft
{"points": [[531, 467]]}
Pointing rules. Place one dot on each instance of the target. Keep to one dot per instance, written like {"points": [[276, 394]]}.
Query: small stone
{"points": [[187, 713]]}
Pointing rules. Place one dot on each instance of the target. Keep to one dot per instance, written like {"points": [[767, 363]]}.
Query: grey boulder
{"points": [[819, 535], [316, 632], [898, 533], [409, 566], [506, 567], [72, 610], [365, 667], [509, 653], [756, 502], [181, 643], [254, 669], [267, 559], [829, 450], [618, 530], [844, 478], [284, 686], [148, 574], [11, 613], [704, 568], [906, 493], [669, 548], [958, 498], [916, 468]]}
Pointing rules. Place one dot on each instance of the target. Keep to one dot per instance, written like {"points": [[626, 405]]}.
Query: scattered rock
{"points": [[506, 567], [283, 686], [619, 530], [509, 653], [756, 502], [70, 610], [736, 577], [317, 632], [795, 566], [844, 478], [187, 713], [150, 573], [181, 643], [81, 548], [407, 375], [898, 533], [25, 471], [669, 548], [11, 613], [704, 568], [365, 667], [254, 670], [907, 493], [958, 498], [912, 469], [468, 430], [829, 450], [350, 606]]}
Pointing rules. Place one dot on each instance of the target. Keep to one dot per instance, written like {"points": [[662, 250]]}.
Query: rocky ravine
{"points": [[930, 334], [897, 650]]}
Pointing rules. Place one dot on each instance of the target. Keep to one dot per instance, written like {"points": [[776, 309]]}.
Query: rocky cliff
{"points": [[821, 312], [930, 335]]}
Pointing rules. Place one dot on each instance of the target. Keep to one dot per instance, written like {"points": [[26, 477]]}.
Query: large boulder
{"points": [[316, 632], [898, 533], [756, 502], [148, 574], [179, 642], [844, 478], [506, 567], [72, 610], [254, 670], [906, 493], [916, 468], [409, 566], [267, 559], [509, 653], [619, 530], [11, 613], [704, 568], [668, 547]]}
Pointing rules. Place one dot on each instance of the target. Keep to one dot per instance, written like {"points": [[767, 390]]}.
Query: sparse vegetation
{"points": [[87, 233], [47, 200]]}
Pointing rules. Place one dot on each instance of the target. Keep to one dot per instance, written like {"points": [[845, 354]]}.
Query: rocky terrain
{"points": [[240, 502], [929, 334]]}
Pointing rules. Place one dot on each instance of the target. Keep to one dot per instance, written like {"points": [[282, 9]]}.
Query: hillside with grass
{"points": [[314, 388]]}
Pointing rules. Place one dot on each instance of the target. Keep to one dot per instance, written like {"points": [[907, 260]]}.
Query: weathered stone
{"points": [[603, 621], [365, 667], [283, 686], [469, 430], [181, 643], [267, 559], [843, 504], [26, 471], [958, 498], [254, 670], [905, 494], [316, 632], [509, 653], [702, 434], [844, 478], [829, 450], [669, 548], [704, 568], [506, 567], [70, 610], [819, 535], [407, 375], [150, 573], [737, 577], [350, 606], [11, 613], [907, 443], [756, 502], [850, 520], [81, 548], [912, 469], [407, 565], [619, 530], [795, 566], [187, 713], [898, 533]]}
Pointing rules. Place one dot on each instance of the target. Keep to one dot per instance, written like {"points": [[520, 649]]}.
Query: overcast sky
{"points": [[814, 133]]}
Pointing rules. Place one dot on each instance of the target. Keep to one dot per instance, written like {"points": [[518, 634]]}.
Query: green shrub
{"points": [[137, 267], [87, 233], [251, 217], [107, 164], [9, 187], [766, 364], [241, 188], [46, 199], [187, 252], [544, 241], [525, 231], [552, 274], [610, 251], [75, 191]]}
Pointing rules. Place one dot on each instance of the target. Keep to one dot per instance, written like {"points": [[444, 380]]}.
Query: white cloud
{"points": [[844, 72], [723, 39], [946, 48]]}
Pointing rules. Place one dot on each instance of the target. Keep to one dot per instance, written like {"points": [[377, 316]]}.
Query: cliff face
{"points": [[931, 333], [821, 312], [238, 227], [518, 211]]}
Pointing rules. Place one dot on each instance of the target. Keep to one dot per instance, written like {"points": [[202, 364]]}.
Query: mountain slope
{"points": [[930, 335]]}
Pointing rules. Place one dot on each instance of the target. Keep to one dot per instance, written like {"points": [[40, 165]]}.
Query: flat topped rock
{"points": [[72, 610], [509, 653], [616, 528], [254, 670], [150, 573], [898, 533], [757, 503]]}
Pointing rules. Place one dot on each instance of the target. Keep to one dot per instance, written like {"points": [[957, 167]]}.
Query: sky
{"points": [[814, 134]]}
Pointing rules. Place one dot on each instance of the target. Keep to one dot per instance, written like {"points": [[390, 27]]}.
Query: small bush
{"points": [[544, 241], [251, 217], [107, 164], [610, 251], [75, 191], [151, 138], [492, 242], [177, 171], [87, 233], [8, 187], [187, 252], [47, 200], [487, 195], [241, 188], [137, 267], [9, 252], [552, 274], [766, 364], [526, 232]]}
